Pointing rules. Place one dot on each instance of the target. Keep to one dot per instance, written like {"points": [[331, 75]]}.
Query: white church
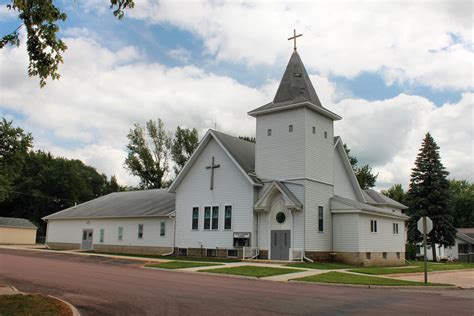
{"points": [[290, 196]]}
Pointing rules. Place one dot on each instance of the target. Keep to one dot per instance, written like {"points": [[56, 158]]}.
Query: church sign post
{"points": [[425, 225]]}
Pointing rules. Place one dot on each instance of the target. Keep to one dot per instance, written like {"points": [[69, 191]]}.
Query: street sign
{"points": [[429, 225]]}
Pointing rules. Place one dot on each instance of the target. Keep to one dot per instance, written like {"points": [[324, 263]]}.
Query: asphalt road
{"points": [[99, 286]]}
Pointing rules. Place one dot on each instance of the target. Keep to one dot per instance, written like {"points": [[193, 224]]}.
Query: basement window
{"points": [[367, 255], [384, 255], [183, 252], [398, 255], [211, 252], [232, 253]]}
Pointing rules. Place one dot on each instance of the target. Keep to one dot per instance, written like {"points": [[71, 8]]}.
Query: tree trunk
{"points": [[433, 249]]}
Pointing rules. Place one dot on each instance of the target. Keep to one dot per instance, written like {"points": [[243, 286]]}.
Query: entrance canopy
{"points": [[274, 189]]}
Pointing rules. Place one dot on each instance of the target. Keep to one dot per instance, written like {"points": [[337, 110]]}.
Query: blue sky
{"points": [[421, 62]]}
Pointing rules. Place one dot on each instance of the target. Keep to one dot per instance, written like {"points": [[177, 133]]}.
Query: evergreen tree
{"points": [[428, 195]]}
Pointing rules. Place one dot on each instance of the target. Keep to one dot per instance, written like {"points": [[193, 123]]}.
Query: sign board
{"points": [[429, 225], [241, 235]]}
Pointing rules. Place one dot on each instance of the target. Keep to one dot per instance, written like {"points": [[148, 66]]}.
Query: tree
{"points": [[148, 154], [461, 204], [364, 174], [45, 49], [428, 195], [114, 185], [14, 146], [183, 145], [249, 139], [396, 193]]}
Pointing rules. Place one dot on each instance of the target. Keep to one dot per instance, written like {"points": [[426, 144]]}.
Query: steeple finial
{"points": [[294, 38]]}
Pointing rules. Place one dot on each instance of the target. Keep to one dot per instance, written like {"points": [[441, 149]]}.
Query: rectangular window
{"points": [[207, 217], [269, 132], [398, 255], [232, 253], [163, 228], [384, 255], [102, 233], [120, 233], [195, 224], [314, 129], [367, 255], [290, 128], [395, 228], [320, 219], [373, 226], [211, 252], [215, 217], [140, 231], [183, 252], [325, 134], [228, 217]]}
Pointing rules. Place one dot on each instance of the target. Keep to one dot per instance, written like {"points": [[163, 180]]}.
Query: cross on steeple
{"points": [[294, 38], [212, 167]]}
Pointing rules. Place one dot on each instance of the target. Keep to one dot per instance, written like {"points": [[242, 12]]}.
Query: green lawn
{"points": [[204, 259], [321, 265], [253, 271], [415, 266], [33, 304], [347, 278], [172, 265]]}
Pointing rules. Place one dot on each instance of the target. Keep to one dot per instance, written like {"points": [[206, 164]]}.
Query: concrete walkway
{"points": [[461, 278]]}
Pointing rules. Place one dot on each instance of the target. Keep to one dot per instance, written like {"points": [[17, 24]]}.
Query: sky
{"points": [[393, 70]]}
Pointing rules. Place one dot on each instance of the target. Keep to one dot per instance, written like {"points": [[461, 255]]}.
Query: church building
{"points": [[291, 195]]}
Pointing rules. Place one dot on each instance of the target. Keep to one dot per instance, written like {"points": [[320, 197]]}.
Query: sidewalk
{"points": [[461, 278]]}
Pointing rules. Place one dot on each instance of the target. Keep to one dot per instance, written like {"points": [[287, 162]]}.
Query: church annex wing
{"points": [[241, 152]]}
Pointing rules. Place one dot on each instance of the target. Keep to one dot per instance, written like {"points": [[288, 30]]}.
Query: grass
{"points": [[172, 265], [415, 266], [347, 278], [204, 259], [321, 265], [252, 271], [34, 304]]}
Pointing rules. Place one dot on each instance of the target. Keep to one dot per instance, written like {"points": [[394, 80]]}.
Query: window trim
{"points": [[269, 132], [101, 235], [120, 233], [228, 256], [373, 226], [325, 134], [162, 228], [395, 231], [210, 218], [290, 128], [314, 130], [142, 226], [231, 216], [192, 217], [320, 219]]}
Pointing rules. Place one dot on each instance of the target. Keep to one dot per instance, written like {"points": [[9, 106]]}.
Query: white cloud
{"points": [[87, 114], [180, 54], [427, 43]]}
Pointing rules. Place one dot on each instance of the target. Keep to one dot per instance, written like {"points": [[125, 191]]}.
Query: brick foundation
{"points": [[136, 250], [263, 254], [376, 258], [63, 246], [319, 256], [202, 252]]}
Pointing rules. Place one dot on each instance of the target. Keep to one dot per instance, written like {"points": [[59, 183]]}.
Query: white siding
{"points": [[342, 184], [70, 231], [383, 240], [317, 194], [230, 188], [281, 155], [319, 151], [346, 232], [297, 188]]}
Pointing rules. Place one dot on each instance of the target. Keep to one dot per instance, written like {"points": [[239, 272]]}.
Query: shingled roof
{"points": [[295, 88], [16, 222], [144, 203]]}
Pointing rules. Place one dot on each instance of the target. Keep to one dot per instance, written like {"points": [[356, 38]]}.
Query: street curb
{"points": [[429, 273], [408, 287], [74, 310]]}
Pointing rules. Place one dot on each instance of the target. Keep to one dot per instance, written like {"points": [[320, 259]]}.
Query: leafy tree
{"points": [[364, 174], [428, 195], [14, 146], [45, 49], [114, 185], [148, 154], [249, 139], [462, 203], [183, 145], [396, 193]]}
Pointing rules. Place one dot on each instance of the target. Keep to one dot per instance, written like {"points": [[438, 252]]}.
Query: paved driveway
{"points": [[98, 286], [463, 278]]}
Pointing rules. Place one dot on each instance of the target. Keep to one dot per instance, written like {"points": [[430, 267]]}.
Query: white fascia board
{"points": [[318, 109], [402, 217]]}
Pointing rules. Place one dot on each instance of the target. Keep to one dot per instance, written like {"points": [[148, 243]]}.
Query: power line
{"points": [[39, 195]]}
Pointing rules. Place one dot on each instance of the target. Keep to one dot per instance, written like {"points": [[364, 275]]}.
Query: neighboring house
{"points": [[462, 250], [291, 195], [17, 231]]}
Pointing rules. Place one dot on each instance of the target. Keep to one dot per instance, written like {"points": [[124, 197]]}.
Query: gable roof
{"points": [[291, 201], [16, 222], [295, 89], [375, 197], [466, 234], [340, 204], [144, 203], [240, 151]]}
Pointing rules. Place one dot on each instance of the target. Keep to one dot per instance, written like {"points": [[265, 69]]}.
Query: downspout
{"points": [[174, 237]]}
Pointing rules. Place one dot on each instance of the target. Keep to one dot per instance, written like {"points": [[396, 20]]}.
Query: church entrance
{"points": [[281, 241]]}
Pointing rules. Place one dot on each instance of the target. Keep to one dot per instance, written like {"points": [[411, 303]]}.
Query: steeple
{"points": [[295, 86]]}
